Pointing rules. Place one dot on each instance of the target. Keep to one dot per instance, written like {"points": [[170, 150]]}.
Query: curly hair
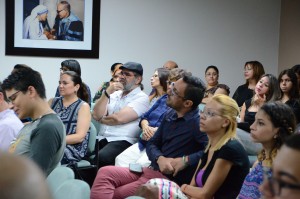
{"points": [[283, 118]]}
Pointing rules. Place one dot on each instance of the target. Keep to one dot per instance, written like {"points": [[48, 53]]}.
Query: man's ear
{"points": [[138, 80], [188, 103], [32, 91], [1, 97]]}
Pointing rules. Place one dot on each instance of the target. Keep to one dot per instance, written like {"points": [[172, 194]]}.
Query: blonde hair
{"points": [[230, 110]]}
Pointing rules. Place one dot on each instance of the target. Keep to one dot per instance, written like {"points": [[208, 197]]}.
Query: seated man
{"points": [[285, 179], [174, 150], [44, 139], [119, 109], [10, 124]]}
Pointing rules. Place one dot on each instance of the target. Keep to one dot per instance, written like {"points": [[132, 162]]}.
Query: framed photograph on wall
{"points": [[53, 28]]}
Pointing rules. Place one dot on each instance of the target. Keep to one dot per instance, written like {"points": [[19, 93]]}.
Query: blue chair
{"points": [[58, 176], [73, 188]]}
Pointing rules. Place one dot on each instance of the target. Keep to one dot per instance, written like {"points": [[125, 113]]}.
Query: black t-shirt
{"points": [[242, 93], [234, 152]]}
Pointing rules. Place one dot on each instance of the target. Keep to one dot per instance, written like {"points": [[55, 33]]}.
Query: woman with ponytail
{"points": [[73, 109]]}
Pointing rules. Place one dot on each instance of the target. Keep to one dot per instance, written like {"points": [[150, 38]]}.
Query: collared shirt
{"points": [[178, 137], [10, 126], [139, 102]]}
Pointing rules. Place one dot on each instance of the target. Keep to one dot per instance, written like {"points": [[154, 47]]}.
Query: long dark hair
{"points": [[294, 92], [82, 92]]}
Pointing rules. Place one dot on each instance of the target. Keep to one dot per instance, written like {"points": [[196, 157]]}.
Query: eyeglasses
{"points": [[64, 69], [58, 11], [275, 185], [207, 113], [175, 92], [127, 74], [13, 97]]}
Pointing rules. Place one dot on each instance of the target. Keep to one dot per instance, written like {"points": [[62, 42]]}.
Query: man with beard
{"points": [[118, 110]]}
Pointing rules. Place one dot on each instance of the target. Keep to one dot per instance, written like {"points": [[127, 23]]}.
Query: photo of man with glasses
{"points": [[67, 26]]}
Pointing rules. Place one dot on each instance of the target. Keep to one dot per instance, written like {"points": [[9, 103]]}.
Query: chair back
{"points": [[58, 176], [73, 188], [92, 140]]}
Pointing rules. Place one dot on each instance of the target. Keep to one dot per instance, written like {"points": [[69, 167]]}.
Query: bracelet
{"points": [[106, 94], [185, 161]]}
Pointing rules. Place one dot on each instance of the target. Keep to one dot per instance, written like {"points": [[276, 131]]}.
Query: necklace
{"points": [[46, 113]]}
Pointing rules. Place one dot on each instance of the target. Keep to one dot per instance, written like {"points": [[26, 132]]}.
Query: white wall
{"points": [[194, 33]]}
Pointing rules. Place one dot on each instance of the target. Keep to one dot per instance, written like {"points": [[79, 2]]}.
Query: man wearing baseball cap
{"points": [[118, 110]]}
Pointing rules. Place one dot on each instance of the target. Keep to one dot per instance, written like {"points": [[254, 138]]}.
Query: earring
{"points": [[275, 136]]}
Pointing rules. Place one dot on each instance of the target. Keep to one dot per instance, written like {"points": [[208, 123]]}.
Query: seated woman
{"points": [[266, 90], [274, 122], [75, 114], [211, 77], [290, 91], [73, 65], [225, 164], [149, 121], [253, 70], [115, 72]]}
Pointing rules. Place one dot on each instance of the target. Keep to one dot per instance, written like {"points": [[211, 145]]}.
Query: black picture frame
{"points": [[11, 49]]}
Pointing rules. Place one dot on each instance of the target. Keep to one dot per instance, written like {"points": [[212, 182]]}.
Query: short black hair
{"points": [[72, 65], [22, 79], [112, 68], [213, 67], [1, 91], [293, 142], [296, 69], [195, 89]]}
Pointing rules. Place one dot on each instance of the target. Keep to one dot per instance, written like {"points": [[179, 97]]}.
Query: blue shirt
{"points": [[177, 137], [154, 116]]}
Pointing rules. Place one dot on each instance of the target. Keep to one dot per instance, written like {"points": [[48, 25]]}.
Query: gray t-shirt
{"points": [[43, 140]]}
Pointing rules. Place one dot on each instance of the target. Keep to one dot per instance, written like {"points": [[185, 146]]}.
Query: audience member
{"points": [[274, 122], [42, 140], [211, 77], [174, 150], [67, 25], [284, 181], [253, 70], [75, 114], [225, 163], [33, 27], [115, 72], [149, 123], [73, 65], [222, 89], [118, 110], [10, 124], [296, 70], [267, 90], [159, 84], [16, 68], [290, 91], [21, 178], [170, 65]]}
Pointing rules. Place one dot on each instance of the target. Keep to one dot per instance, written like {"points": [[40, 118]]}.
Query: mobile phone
{"points": [[135, 167]]}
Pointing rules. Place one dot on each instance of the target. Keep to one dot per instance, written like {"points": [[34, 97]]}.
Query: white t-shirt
{"points": [[139, 102], [10, 126]]}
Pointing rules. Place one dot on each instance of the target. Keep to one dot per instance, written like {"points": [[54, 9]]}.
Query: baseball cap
{"points": [[133, 66]]}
